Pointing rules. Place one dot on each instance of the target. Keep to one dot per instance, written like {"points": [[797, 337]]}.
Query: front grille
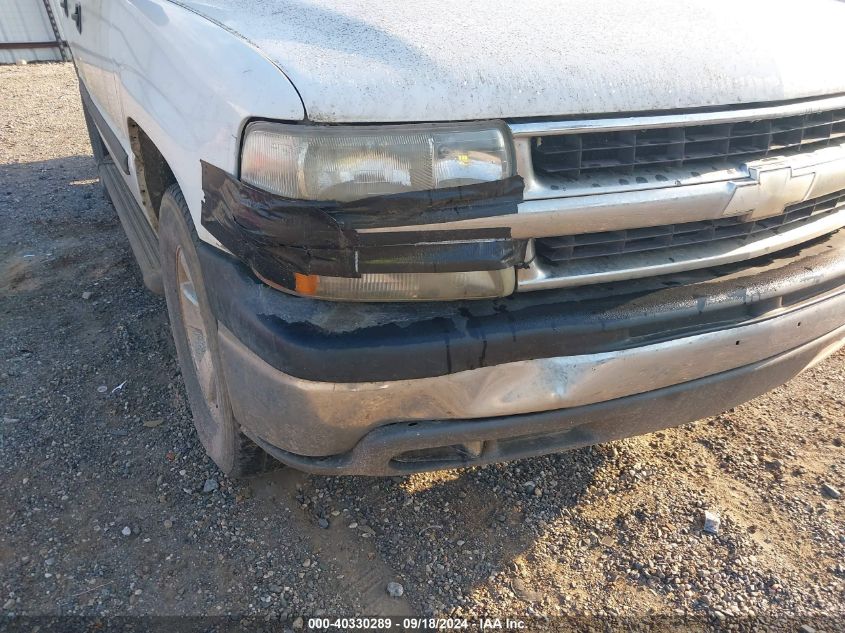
{"points": [[567, 248], [714, 146]]}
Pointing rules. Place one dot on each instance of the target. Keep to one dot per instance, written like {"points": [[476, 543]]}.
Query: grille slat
{"points": [[625, 152], [565, 248]]}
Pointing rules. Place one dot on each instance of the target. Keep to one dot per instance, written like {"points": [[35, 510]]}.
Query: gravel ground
{"points": [[101, 475]]}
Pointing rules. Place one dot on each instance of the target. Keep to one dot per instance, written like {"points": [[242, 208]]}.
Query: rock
{"points": [[210, 486], [524, 592], [806, 628], [102, 389], [323, 523], [21, 62], [86, 295], [830, 491], [773, 464], [151, 424], [168, 523], [712, 521], [395, 590], [126, 531], [9, 604], [275, 588], [298, 623]]}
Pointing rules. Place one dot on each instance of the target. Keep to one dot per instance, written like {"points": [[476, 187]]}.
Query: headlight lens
{"points": [[349, 163]]}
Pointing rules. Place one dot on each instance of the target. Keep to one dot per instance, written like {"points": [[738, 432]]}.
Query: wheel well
{"points": [[154, 174]]}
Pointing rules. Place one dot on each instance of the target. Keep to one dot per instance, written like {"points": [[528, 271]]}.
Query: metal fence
{"points": [[29, 32]]}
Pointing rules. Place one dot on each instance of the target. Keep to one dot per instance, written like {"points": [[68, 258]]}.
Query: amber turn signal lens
{"points": [[306, 284]]}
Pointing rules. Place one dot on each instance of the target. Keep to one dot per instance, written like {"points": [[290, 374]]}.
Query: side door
{"points": [[86, 26]]}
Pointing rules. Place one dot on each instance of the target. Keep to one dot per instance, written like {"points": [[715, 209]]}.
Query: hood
{"points": [[438, 60]]}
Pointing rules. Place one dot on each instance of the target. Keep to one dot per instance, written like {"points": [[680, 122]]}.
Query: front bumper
{"points": [[493, 384], [408, 447]]}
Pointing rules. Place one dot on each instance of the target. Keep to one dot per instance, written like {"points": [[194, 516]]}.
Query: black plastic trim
{"points": [[336, 342], [142, 238], [280, 237]]}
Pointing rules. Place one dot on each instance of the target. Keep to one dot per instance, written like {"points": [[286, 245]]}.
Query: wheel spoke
{"points": [[190, 307], [197, 337], [205, 374]]}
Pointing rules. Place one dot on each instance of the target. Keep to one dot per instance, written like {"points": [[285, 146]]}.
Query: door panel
{"points": [[86, 25]]}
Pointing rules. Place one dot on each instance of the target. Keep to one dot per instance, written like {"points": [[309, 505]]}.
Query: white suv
{"points": [[401, 236]]}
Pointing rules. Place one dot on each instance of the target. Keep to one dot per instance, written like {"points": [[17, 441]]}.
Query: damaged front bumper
{"points": [[396, 388]]}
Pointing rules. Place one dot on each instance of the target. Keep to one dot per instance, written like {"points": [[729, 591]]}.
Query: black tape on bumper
{"points": [[280, 236]]}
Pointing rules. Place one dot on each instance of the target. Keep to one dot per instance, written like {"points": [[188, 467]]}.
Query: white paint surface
{"points": [[190, 85], [417, 60]]}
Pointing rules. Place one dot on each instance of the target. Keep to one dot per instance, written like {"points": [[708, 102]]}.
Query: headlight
{"points": [[349, 163], [341, 164]]}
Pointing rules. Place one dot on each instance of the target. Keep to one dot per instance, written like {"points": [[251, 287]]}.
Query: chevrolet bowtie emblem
{"points": [[770, 188]]}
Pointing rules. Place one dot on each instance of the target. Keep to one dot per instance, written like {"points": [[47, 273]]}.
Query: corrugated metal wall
{"points": [[26, 21]]}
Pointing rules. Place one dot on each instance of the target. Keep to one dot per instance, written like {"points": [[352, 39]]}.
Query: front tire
{"points": [[194, 330]]}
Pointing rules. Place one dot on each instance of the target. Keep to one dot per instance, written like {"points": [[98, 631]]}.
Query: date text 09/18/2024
{"points": [[416, 624]]}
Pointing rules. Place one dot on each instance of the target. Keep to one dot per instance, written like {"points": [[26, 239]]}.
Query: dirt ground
{"points": [[102, 509]]}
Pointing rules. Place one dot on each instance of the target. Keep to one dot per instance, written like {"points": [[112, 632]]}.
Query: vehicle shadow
{"points": [[53, 215], [66, 169], [452, 533]]}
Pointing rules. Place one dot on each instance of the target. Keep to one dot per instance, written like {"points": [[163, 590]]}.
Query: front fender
{"points": [[192, 85]]}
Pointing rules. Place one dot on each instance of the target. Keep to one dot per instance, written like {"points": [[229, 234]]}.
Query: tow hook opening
{"points": [[457, 453]]}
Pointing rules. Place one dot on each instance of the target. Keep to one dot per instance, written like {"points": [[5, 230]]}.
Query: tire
{"points": [[194, 330]]}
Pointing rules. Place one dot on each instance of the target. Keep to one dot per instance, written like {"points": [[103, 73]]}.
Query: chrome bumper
{"points": [[313, 418], [407, 447]]}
